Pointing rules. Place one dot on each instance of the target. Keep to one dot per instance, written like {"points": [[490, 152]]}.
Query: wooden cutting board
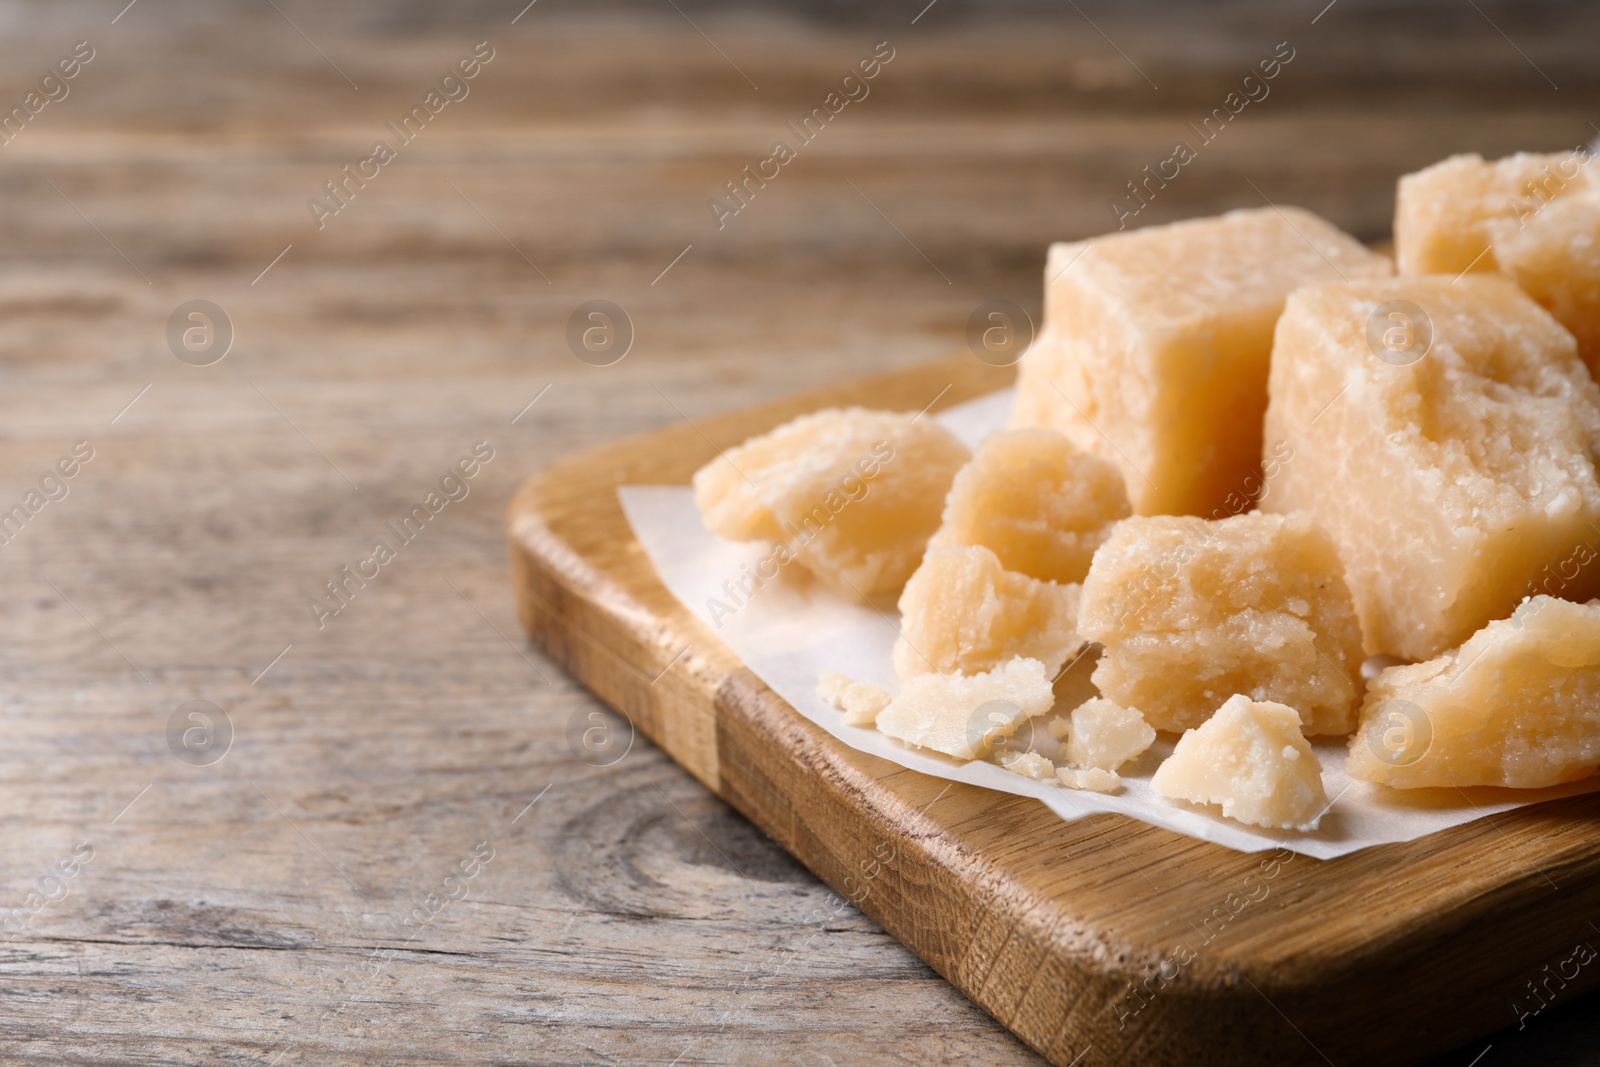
{"points": [[1100, 942]]}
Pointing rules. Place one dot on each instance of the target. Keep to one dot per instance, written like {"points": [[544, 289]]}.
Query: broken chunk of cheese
{"points": [[966, 715], [1037, 501], [1251, 759], [1154, 353], [1445, 214], [1451, 469], [963, 612], [854, 494], [1517, 705], [860, 701], [1192, 611], [1101, 733], [1535, 218], [1554, 257]]}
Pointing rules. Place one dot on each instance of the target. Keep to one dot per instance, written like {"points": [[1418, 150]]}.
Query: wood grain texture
{"points": [[230, 914]]}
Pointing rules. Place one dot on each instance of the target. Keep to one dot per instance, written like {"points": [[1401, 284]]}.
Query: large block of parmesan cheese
{"points": [[1555, 257], [1445, 214], [1156, 343], [1517, 705], [1193, 611], [1535, 218], [1450, 451]]}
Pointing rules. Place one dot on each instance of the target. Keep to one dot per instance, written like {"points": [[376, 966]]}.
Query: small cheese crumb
{"points": [[1103, 734], [1029, 765], [1250, 758], [964, 715], [860, 701], [1094, 779]]}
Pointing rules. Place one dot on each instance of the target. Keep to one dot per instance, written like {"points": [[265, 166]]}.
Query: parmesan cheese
{"points": [[963, 612], [1035, 500], [1518, 705], [1093, 779], [1192, 611], [1103, 734], [1029, 765], [1445, 214], [1251, 760], [853, 494], [861, 702], [1535, 218], [966, 715], [1156, 342], [1451, 472]]}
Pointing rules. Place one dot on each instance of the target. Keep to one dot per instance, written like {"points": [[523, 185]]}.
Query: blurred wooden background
{"points": [[254, 909]]}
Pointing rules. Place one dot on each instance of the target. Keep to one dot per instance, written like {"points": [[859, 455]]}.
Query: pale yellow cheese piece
{"points": [[1092, 779], [1104, 734], [854, 494], [1517, 705], [1250, 759], [1029, 765], [963, 612], [1449, 475], [1037, 501], [1444, 214], [860, 701], [1042, 379], [1192, 611], [1554, 256], [966, 715], [1156, 343]]}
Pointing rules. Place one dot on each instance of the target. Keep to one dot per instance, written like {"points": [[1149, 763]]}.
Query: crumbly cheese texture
{"points": [[1554, 256], [1192, 611], [963, 612], [1451, 481], [1093, 779], [1445, 215], [1104, 734], [1534, 218], [1251, 760], [966, 715], [860, 701], [1156, 342], [1029, 765], [854, 494], [1518, 705], [1037, 501]]}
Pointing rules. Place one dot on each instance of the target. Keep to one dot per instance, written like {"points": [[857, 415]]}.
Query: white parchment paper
{"points": [[793, 630]]}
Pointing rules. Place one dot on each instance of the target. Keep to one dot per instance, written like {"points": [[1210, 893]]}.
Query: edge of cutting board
{"points": [[1103, 941]]}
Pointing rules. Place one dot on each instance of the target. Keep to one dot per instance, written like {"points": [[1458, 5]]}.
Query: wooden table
{"points": [[403, 854]]}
